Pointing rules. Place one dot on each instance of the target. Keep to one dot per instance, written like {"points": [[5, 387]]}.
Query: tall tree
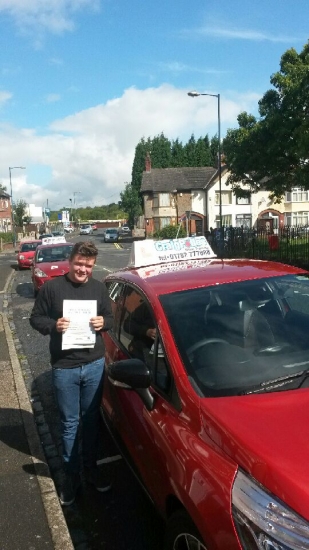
{"points": [[130, 203], [20, 213], [272, 152], [177, 154]]}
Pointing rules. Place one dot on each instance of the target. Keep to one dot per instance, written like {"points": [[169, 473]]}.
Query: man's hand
{"points": [[151, 333], [62, 324], [97, 322]]}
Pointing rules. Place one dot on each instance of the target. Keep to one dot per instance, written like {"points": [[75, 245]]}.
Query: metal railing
{"points": [[289, 244]]}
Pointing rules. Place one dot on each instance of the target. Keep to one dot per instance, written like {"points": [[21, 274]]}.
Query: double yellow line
{"points": [[119, 246]]}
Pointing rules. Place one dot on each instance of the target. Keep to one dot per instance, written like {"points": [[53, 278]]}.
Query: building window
{"points": [[164, 222], [244, 220], [165, 199], [226, 220], [297, 218], [226, 197], [244, 200], [155, 200], [299, 195], [156, 224]]}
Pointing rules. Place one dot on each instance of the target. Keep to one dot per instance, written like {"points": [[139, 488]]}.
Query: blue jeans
{"points": [[78, 393]]}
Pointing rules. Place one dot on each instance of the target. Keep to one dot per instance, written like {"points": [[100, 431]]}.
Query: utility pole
{"points": [[74, 201]]}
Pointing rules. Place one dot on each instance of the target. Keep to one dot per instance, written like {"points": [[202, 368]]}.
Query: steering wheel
{"points": [[204, 342], [275, 348]]}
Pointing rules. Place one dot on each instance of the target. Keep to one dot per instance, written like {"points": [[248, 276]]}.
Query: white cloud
{"points": [[52, 98], [92, 151], [55, 16], [229, 33], [4, 97]]}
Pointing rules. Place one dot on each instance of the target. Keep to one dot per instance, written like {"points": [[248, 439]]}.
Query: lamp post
{"points": [[197, 94], [13, 222]]}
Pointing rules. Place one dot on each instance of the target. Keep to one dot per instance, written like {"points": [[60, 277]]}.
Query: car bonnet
{"points": [[266, 435]]}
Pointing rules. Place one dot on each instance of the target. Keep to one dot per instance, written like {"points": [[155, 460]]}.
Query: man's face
{"points": [[81, 268]]}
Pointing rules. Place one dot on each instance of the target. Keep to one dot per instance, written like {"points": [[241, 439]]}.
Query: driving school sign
{"points": [[152, 252]]}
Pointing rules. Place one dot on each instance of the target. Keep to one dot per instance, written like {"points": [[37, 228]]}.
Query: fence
{"points": [[289, 245]]}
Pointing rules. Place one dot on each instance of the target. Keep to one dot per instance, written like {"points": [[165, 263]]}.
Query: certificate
{"points": [[80, 333]]}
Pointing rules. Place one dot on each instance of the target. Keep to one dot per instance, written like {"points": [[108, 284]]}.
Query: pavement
{"points": [[31, 517]]}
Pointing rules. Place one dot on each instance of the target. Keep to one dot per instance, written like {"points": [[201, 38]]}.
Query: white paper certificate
{"points": [[80, 333]]}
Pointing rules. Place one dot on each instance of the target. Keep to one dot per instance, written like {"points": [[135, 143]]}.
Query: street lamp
{"points": [[197, 94], [13, 223]]}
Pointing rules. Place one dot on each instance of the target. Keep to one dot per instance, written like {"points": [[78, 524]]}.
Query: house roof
{"points": [[168, 179], [4, 195]]}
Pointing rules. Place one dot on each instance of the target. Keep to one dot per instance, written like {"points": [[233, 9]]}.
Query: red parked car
{"points": [[207, 394], [51, 260], [26, 252]]}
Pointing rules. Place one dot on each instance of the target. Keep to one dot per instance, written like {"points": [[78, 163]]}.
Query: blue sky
{"points": [[82, 81]]}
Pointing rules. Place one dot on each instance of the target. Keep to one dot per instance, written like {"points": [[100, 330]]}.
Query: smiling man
{"points": [[77, 372]]}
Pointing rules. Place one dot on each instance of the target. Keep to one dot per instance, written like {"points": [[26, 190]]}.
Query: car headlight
{"points": [[262, 521], [39, 273], [21, 257]]}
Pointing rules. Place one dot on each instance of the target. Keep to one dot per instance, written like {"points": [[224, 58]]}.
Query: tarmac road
{"points": [[123, 519]]}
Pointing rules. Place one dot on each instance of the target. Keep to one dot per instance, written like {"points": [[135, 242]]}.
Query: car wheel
{"points": [[181, 533]]}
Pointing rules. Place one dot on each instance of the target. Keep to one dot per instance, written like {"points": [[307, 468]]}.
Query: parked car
{"points": [[57, 233], [51, 260], [111, 235], [45, 236], [124, 229], [206, 393], [26, 252], [85, 229], [68, 229], [94, 227]]}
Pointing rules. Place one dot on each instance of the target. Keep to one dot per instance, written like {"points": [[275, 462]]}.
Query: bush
{"points": [[7, 237], [169, 232]]}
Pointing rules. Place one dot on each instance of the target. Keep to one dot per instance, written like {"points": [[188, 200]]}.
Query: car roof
{"points": [[177, 276], [30, 241], [53, 245], [171, 265]]}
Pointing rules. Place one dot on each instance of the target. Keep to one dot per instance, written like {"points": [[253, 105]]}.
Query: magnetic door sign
{"points": [[151, 252]]}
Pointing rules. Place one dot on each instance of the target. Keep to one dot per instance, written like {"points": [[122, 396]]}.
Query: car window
{"points": [[242, 337], [28, 247], [136, 322], [115, 290], [54, 253]]}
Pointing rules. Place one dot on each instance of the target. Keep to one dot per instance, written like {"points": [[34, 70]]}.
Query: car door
{"points": [[144, 436]]}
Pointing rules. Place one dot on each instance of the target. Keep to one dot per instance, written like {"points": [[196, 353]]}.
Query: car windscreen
{"points": [[244, 337], [111, 231], [54, 253], [28, 247]]}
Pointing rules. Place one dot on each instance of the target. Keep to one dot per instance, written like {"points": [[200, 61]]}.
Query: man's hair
{"points": [[84, 248]]}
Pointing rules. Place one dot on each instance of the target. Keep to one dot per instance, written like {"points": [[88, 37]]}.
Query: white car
{"points": [[85, 229], [68, 229]]}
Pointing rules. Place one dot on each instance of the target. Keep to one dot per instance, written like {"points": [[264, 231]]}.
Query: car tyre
{"points": [[181, 533]]}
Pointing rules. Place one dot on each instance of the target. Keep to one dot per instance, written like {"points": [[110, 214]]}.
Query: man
{"points": [[77, 372]]}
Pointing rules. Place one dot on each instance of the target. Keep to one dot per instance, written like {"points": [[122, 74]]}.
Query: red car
{"points": [[26, 252], [207, 394], [51, 260]]}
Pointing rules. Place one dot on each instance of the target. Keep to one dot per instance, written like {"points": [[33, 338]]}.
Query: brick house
{"points": [[5, 212], [168, 193]]}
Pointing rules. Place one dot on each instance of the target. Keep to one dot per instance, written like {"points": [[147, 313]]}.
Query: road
{"points": [[123, 519]]}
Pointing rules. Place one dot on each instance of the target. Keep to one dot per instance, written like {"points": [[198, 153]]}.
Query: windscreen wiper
{"points": [[278, 383]]}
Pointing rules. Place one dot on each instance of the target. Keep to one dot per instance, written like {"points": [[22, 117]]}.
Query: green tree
{"points": [[19, 209], [130, 203], [190, 152], [3, 188], [177, 154], [271, 152]]}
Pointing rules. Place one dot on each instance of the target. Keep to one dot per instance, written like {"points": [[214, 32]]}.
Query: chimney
{"points": [[148, 163]]}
